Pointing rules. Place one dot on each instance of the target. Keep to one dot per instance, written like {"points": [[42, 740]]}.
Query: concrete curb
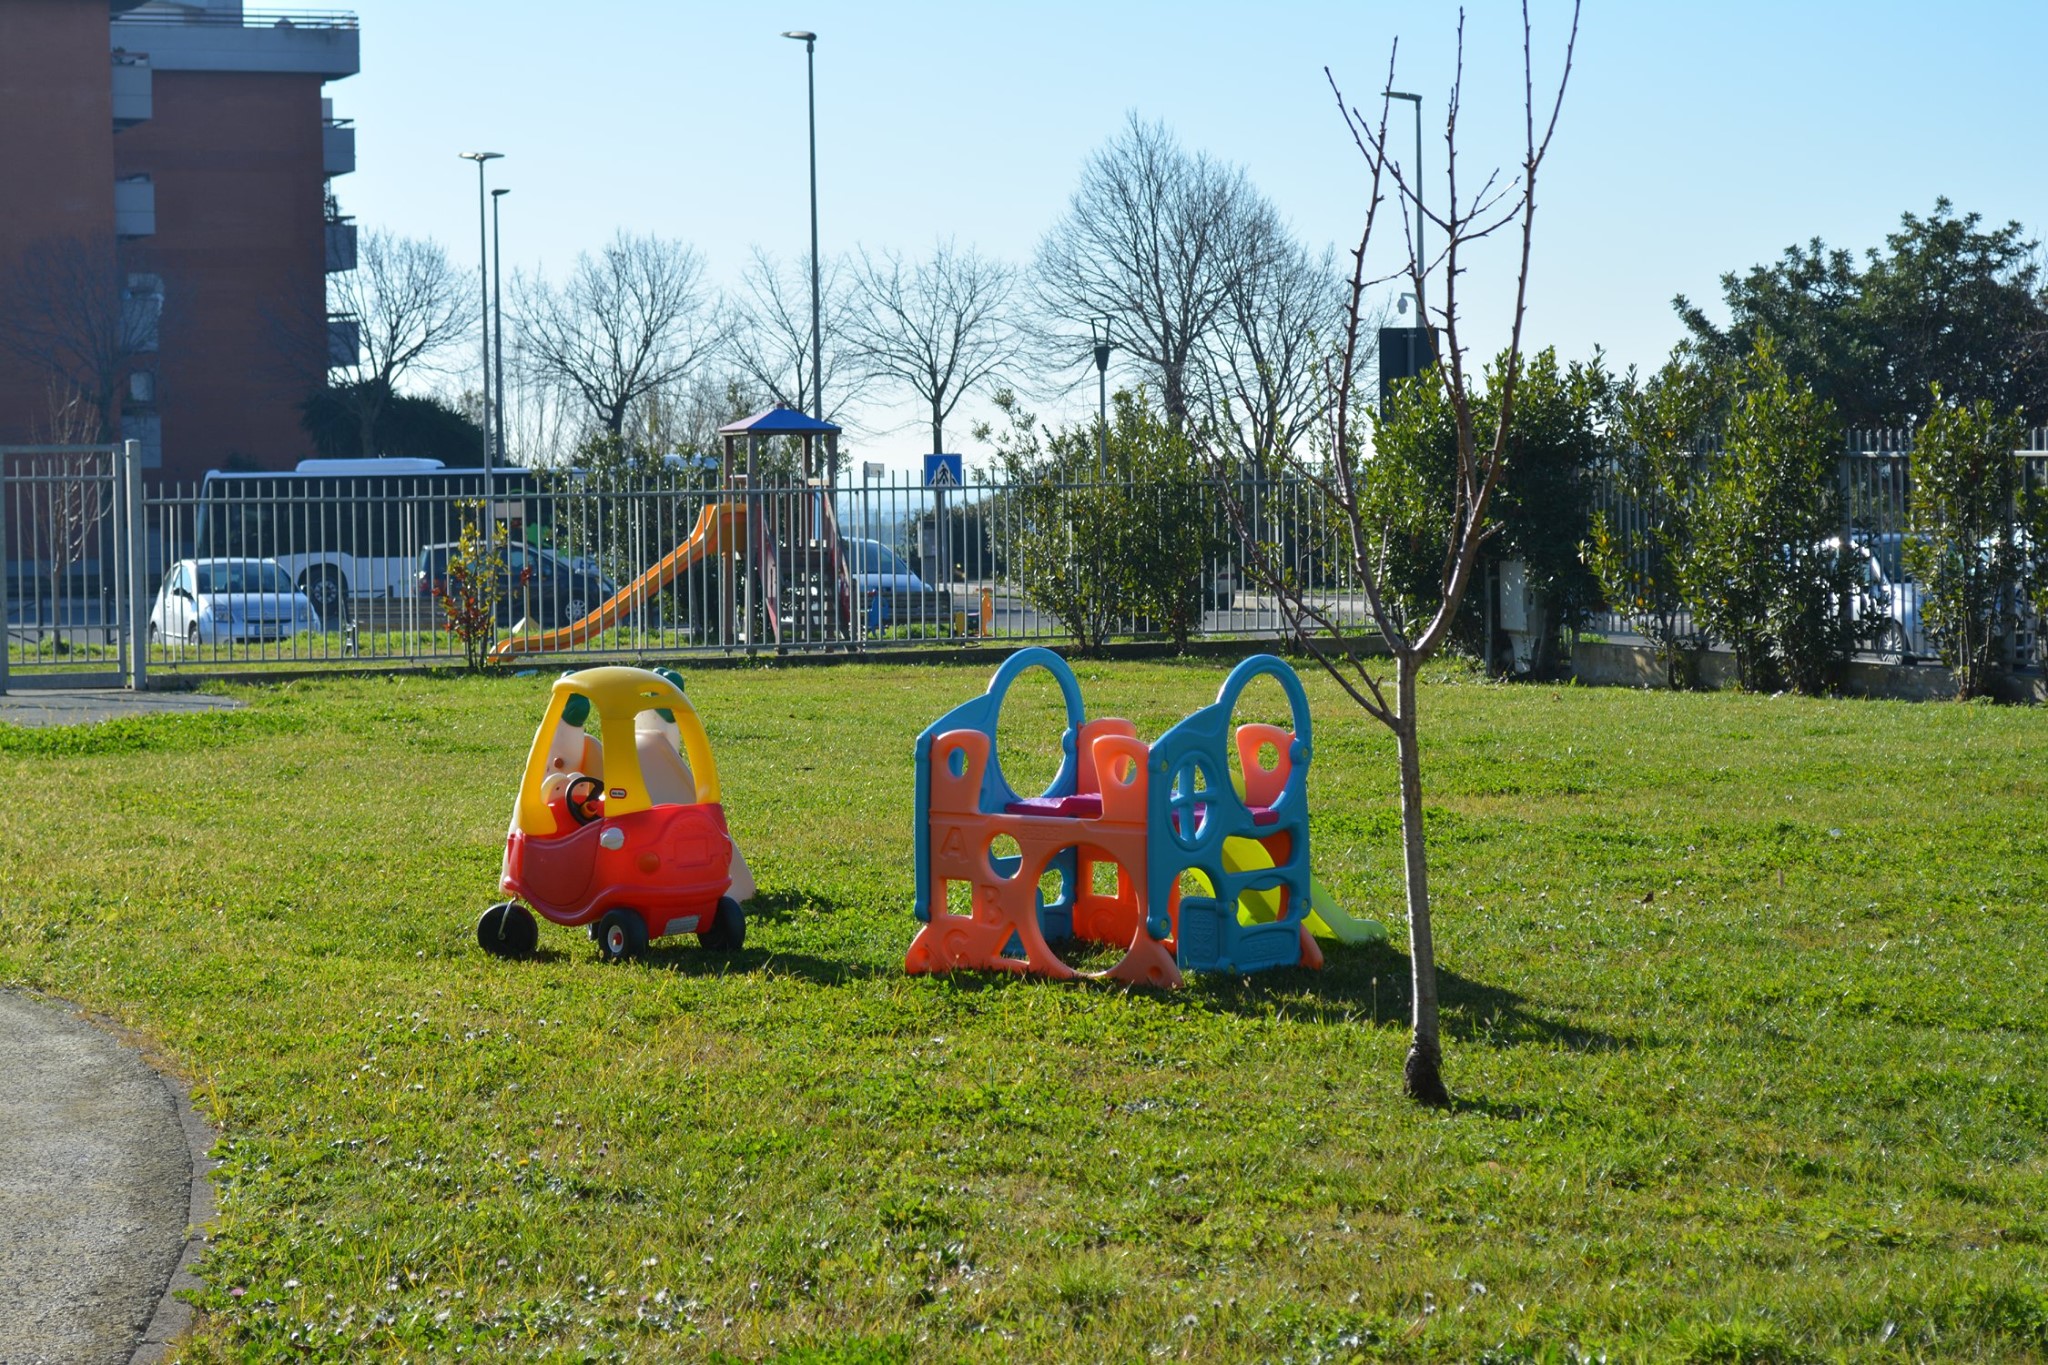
{"points": [[173, 1316]]}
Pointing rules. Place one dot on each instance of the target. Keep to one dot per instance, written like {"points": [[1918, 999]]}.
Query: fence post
{"points": [[137, 539], [1851, 599]]}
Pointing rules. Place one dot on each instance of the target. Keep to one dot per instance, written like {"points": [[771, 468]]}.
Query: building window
{"points": [[142, 311]]}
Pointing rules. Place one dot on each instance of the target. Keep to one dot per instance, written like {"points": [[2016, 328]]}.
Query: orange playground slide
{"points": [[722, 526]]}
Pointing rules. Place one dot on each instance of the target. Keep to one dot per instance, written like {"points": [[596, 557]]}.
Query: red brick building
{"points": [[168, 227]]}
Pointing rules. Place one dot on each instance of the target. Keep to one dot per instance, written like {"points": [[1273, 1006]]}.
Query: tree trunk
{"points": [[1423, 1075], [368, 410]]}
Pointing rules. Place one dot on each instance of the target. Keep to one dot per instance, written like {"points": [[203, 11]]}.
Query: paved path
{"points": [[97, 1192], [44, 706]]}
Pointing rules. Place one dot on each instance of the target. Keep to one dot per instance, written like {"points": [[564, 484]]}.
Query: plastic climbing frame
{"points": [[1105, 852]]}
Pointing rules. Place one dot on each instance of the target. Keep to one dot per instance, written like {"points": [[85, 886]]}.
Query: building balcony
{"points": [[344, 342], [341, 245], [135, 206], [309, 42], [338, 147], [133, 102]]}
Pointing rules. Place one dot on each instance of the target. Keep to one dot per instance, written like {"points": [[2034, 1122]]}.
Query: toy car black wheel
{"points": [[507, 930], [620, 934], [728, 931]]}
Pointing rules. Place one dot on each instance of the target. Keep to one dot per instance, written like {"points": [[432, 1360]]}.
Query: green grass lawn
{"points": [[1745, 1011]]}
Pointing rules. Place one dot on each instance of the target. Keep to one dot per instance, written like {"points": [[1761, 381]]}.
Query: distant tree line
{"points": [[1204, 294]]}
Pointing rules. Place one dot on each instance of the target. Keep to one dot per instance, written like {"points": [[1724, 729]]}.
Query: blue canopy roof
{"points": [[778, 421]]}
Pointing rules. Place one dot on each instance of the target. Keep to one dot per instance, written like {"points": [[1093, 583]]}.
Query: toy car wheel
{"points": [[620, 934], [728, 931], [507, 930]]}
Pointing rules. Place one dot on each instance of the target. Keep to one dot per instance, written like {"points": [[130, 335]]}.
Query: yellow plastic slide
{"points": [[721, 526], [1326, 919]]}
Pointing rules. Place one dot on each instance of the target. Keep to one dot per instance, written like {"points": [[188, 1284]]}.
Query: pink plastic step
{"points": [[1083, 806]]}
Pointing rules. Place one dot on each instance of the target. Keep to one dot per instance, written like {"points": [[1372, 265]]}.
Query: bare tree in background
{"points": [[1462, 221], [72, 321], [939, 327], [1154, 239], [1265, 387], [771, 341], [630, 321], [410, 305]]}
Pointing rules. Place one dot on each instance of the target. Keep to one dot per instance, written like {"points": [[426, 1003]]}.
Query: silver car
{"points": [[219, 601]]}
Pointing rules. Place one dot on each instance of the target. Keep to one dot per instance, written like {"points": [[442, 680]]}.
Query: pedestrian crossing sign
{"points": [[942, 471]]}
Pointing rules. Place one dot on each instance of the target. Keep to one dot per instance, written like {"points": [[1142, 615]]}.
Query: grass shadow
{"points": [[779, 907], [686, 958], [1370, 984]]}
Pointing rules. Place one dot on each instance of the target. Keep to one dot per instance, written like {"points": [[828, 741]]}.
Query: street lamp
{"points": [[1421, 317], [483, 273], [1098, 332], [498, 313], [810, 42]]}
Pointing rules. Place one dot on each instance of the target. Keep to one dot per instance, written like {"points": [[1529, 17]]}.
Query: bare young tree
{"points": [[939, 327], [74, 324], [771, 341], [410, 305], [1462, 221], [632, 320], [1154, 240]]}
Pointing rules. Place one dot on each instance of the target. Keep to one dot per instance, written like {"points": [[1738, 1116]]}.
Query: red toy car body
{"points": [[628, 838]]}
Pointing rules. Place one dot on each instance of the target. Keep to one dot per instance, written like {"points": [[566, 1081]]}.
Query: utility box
{"points": [[1524, 616]]}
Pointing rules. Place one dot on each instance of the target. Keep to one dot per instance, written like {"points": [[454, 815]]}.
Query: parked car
{"points": [[1896, 586], [1888, 607], [538, 585], [890, 594], [222, 601]]}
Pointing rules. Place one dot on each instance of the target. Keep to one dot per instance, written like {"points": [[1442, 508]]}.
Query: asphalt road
{"points": [[96, 1190]]}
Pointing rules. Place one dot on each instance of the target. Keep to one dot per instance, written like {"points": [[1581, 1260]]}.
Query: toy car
{"points": [[623, 833]]}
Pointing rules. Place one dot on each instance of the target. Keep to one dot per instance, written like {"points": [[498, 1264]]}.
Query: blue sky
{"points": [[1696, 138]]}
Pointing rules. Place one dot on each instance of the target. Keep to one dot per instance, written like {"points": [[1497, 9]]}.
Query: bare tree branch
{"points": [[771, 340], [73, 321], [939, 327], [410, 307], [630, 321], [1153, 240]]}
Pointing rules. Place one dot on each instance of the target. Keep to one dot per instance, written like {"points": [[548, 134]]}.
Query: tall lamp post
{"points": [[1421, 317], [498, 314], [810, 42], [1098, 332], [483, 274]]}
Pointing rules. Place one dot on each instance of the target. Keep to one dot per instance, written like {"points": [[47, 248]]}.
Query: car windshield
{"points": [[871, 556], [241, 575]]}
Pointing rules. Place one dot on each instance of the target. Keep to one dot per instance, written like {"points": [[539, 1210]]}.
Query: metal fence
{"points": [[69, 565], [359, 569], [1875, 481]]}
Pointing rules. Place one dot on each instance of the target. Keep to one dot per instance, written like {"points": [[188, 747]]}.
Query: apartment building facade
{"points": [[170, 225]]}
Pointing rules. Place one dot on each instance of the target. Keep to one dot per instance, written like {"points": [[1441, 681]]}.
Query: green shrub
{"points": [[1768, 571], [1965, 550], [1540, 512]]}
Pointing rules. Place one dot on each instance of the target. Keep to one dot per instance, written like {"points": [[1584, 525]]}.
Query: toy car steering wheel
{"points": [[585, 799]]}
